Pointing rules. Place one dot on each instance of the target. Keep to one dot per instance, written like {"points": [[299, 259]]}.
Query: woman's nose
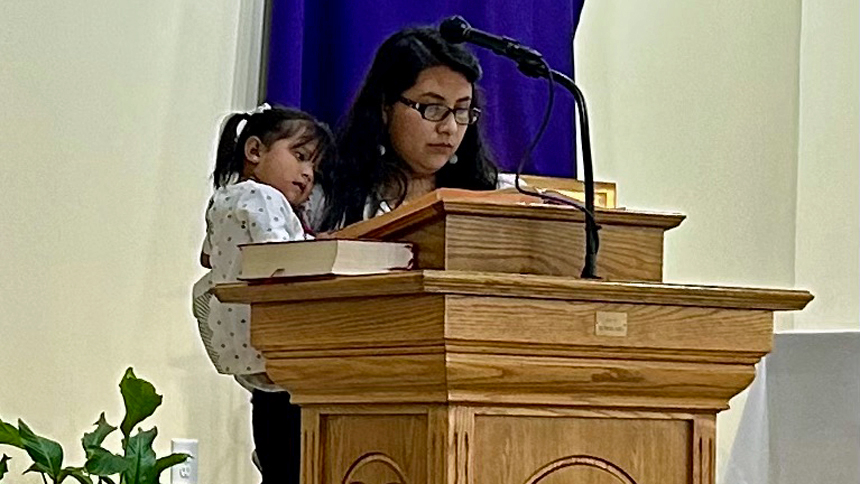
{"points": [[447, 125]]}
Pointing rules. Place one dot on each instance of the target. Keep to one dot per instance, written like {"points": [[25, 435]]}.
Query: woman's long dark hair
{"points": [[269, 125], [361, 173]]}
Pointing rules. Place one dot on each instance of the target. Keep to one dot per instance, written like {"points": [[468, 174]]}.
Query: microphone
{"points": [[531, 63], [456, 30]]}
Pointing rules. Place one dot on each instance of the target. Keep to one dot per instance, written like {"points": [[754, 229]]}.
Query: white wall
{"points": [[730, 112], [734, 114], [694, 107], [828, 233], [107, 127]]}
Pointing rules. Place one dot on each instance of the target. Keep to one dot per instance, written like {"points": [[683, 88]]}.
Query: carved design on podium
{"points": [[704, 453], [581, 461], [461, 457], [374, 468], [308, 449]]}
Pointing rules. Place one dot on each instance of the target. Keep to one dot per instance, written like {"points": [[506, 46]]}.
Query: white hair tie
{"points": [[257, 110]]}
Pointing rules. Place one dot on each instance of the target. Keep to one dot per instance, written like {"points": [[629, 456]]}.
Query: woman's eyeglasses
{"points": [[438, 112]]}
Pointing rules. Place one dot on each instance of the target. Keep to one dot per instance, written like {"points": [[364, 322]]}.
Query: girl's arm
{"points": [[207, 244], [268, 216]]}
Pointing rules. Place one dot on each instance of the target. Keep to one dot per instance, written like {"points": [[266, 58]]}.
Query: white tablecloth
{"points": [[801, 423]]}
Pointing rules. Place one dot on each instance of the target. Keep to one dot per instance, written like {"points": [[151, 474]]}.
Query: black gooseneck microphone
{"points": [[531, 63], [456, 30]]}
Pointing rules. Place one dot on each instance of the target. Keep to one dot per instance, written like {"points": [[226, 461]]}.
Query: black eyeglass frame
{"points": [[473, 113]]}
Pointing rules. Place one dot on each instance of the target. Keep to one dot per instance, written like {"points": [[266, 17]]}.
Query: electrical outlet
{"points": [[185, 473]]}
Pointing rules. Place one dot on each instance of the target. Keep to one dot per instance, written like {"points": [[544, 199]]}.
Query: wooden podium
{"points": [[492, 364]]}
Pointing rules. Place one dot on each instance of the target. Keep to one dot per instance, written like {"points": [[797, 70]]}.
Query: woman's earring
{"points": [[381, 148], [453, 159]]}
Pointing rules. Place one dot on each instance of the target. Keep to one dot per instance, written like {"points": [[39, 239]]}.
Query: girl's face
{"points": [[427, 145], [285, 165]]}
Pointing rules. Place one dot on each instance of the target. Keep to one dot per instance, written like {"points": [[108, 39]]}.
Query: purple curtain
{"points": [[320, 51]]}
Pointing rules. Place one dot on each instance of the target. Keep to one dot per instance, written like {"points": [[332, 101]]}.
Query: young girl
{"points": [[264, 171]]}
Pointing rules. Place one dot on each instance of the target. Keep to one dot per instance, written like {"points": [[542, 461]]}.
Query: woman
{"points": [[413, 128]]}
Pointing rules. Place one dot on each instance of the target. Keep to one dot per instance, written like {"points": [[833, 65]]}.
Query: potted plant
{"points": [[137, 464]]}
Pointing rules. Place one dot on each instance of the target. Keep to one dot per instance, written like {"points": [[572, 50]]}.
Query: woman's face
{"points": [[427, 145]]}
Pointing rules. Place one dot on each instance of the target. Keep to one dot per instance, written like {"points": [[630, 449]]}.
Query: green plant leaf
{"points": [[9, 435], [77, 473], [140, 401], [141, 458], [95, 438], [4, 468], [168, 462], [105, 480], [47, 455], [101, 462], [34, 468]]}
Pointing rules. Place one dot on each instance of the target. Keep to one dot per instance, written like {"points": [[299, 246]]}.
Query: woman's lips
{"points": [[441, 147]]}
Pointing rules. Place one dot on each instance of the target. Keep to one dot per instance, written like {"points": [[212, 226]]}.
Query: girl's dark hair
{"points": [[360, 172], [270, 125]]}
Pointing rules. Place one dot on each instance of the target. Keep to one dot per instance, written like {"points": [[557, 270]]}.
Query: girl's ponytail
{"points": [[228, 162]]}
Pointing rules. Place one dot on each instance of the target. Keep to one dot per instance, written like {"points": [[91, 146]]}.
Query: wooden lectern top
{"points": [[504, 231], [399, 283], [497, 203]]}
